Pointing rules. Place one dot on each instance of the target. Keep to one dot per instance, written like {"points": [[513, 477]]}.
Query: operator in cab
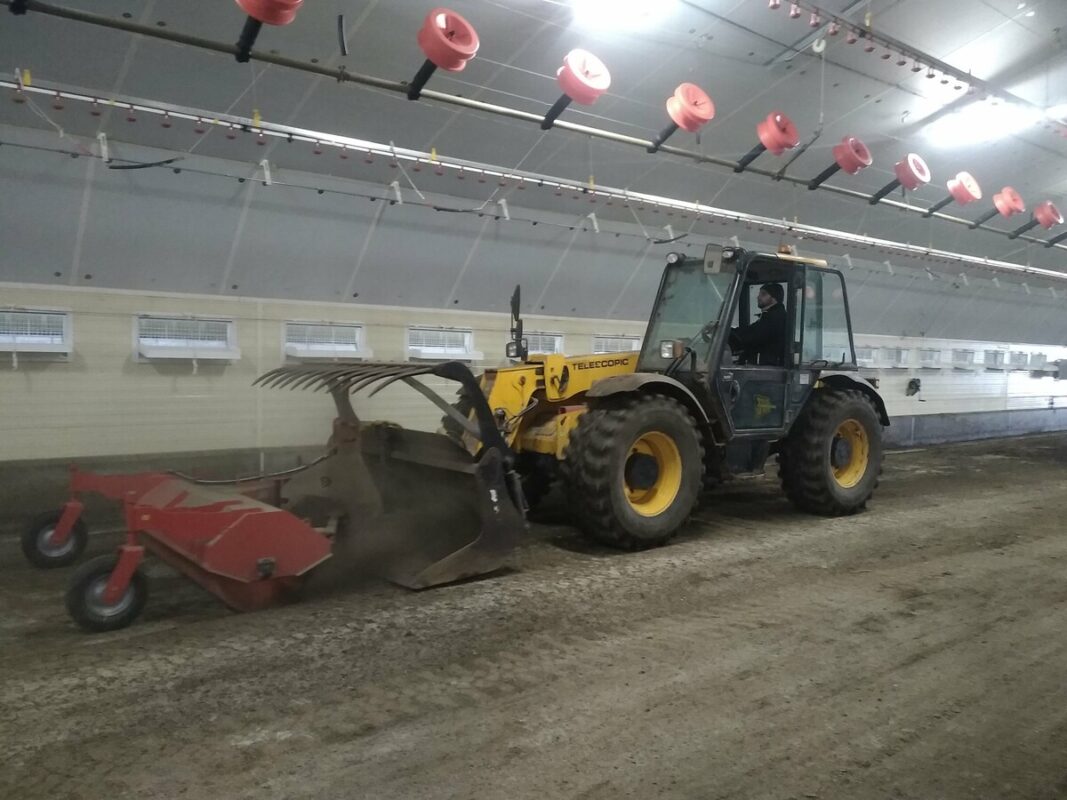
{"points": [[763, 342]]}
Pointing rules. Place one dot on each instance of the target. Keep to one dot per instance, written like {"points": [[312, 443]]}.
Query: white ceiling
{"points": [[197, 233]]}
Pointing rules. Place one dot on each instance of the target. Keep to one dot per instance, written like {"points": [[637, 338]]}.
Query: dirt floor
{"points": [[918, 650]]}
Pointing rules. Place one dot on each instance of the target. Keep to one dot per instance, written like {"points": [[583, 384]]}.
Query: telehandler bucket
{"points": [[415, 507]]}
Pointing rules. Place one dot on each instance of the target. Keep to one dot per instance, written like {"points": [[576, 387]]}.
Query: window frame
{"points": [[148, 353], [559, 337], [415, 353], [638, 340], [55, 350], [803, 270], [294, 351]]}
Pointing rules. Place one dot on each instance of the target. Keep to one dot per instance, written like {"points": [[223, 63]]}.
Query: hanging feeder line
{"points": [[963, 189], [583, 78], [1046, 215], [1007, 202], [724, 216], [448, 41], [343, 75], [232, 123]]}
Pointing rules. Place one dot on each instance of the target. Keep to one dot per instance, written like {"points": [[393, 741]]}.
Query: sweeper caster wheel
{"points": [[38, 545], [85, 601]]}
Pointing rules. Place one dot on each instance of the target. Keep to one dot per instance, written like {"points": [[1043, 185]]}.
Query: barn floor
{"points": [[915, 651]]}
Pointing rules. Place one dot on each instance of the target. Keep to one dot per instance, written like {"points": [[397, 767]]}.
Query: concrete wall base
{"points": [[942, 428]]}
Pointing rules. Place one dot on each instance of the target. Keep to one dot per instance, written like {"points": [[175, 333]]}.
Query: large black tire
{"points": [[608, 480], [822, 468], [36, 546], [88, 610]]}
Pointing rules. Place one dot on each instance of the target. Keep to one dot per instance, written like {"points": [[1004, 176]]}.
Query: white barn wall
{"points": [[103, 401]]}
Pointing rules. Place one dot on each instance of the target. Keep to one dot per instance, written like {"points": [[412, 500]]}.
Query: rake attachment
{"points": [[417, 507]]}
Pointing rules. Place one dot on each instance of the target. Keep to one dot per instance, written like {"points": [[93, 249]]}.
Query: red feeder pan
{"points": [[583, 78], [1007, 202], [963, 189], [260, 12], [776, 133], [911, 172], [851, 155], [448, 41], [689, 108], [1046, 215]]}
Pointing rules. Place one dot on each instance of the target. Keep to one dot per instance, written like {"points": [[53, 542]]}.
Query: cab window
{"points": [[825, 332]]}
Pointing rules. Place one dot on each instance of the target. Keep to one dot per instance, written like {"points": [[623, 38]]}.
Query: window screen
{"points": [[545, 343], [616, 344], [441, 344], [186, 337], [324, 340], [35, 331]]}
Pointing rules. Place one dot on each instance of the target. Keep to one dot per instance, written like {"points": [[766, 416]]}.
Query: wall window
{"points": [[442, 344], [308, 340], [186, 337], [894, 356], [864, 355], [31, 331], [930, 358], [616, 344], [994, 359], [544, 343], [1019, 359], [963, 358]]}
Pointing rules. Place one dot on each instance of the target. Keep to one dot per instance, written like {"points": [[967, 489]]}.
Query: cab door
{"points": [[755, 396]]}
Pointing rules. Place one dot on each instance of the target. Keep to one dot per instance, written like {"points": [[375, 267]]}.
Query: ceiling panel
{"points": [[39, 209], [724, 45]]}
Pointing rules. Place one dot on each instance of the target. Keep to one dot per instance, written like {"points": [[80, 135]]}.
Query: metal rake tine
{"points": [[361, 382], [319, 377], [298, 378], [401, 376], [271, 377]]}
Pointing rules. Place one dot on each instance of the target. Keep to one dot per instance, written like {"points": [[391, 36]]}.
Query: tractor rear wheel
{"points": [[831, 461], [633, 469]]}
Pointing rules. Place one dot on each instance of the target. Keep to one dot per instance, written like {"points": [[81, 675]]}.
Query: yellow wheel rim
{"points": [[652, 476], [849, 453]]}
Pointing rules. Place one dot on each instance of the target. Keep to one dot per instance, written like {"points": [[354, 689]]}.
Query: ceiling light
{"points": [[981, 122], [620, 14]]}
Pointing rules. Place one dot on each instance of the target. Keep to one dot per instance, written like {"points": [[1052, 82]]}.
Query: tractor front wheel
{"points": [[831, 461], [634, 468]]}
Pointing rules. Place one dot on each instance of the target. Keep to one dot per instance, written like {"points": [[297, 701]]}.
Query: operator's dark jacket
{"points": [[763, 342]]}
